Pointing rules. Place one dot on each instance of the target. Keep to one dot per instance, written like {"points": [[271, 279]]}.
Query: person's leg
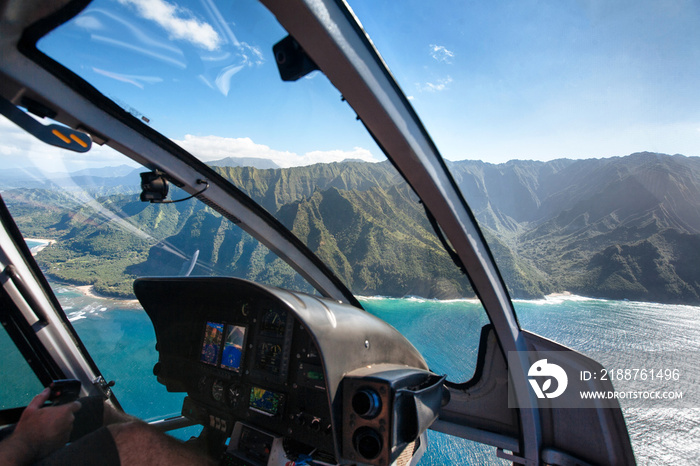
{"points": [[96, 448], [140, 444], [112, 416], [124, 440]]}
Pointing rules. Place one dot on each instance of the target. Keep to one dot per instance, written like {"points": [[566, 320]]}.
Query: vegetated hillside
{"points": [[274, 188], [622, 228], [549, 224]]}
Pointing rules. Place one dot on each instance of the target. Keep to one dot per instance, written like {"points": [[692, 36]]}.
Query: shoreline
{"points": [[552, 298], [89, 291], [45, 243]]}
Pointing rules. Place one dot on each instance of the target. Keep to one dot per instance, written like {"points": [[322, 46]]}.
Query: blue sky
{"points": [[548, 79], [494, 81]]}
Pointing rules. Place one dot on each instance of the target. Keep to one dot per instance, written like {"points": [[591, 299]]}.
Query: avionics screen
{"points": [[213, 333], [232, 355], [265, 401], [269, 357]]}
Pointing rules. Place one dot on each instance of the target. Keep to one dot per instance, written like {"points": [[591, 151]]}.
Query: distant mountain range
{"points": [[106, 180], [262, 164], [619, 228]]}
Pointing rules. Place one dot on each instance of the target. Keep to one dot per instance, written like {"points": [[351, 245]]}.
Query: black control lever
{"points": [[64, 391]]}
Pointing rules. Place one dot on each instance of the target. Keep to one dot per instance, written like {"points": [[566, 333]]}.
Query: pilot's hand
{"points": [[41, 431]]}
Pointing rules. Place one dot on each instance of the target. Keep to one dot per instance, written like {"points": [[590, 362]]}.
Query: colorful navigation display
{"points": [[213, 333], [233, 347], [266, 401]]}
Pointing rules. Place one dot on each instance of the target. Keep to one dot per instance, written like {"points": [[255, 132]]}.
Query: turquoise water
{"points": [[121, 340], [32, 244]]}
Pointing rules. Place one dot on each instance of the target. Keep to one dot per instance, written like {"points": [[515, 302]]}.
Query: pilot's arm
{"points": [[39, 432]]}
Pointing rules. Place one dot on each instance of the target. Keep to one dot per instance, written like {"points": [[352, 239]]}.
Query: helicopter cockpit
{"points": [[245, 288]]}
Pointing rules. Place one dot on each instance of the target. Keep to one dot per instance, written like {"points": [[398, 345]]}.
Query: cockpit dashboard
{"points": [[281, 374]]}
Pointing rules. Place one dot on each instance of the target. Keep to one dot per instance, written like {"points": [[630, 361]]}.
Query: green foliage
{"points": [[617, 228]]}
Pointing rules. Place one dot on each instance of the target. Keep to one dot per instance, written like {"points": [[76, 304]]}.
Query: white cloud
{"points": [[210, 148], [179, 22], [19, 149], [441, 54], [439, 85]]}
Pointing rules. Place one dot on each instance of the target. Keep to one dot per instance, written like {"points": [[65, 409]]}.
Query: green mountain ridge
{"points": [[619, 228]]}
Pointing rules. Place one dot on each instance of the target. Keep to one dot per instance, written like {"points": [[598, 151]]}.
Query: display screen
{"points": [[233, 347], [269, 357], [213, 333], [265, 401]]}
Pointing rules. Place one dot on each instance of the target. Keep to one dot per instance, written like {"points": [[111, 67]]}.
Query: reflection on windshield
{"points": [[203, 74]]}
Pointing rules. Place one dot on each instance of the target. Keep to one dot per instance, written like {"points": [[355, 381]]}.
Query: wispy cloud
{"points": [[210, 148], [441, 54], [437, 86], [179, 22]]}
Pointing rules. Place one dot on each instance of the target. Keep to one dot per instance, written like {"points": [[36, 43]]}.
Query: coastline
{"points": [[44, 244], [89, 291]]}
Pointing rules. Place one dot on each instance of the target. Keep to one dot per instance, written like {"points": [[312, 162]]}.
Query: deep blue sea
{"points": [[121, 340]]}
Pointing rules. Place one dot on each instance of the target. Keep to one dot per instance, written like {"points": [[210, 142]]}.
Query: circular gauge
{"points": [[274, 322], [233, 395], [217, 390]]}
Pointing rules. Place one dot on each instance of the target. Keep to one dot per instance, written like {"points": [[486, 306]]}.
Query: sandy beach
{"points": [[44, 243], [89, 291]]}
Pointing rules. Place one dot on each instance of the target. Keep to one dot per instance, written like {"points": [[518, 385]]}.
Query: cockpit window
{"points": [[204, 75]]}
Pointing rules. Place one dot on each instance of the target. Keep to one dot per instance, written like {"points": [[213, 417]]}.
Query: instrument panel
{"points": [[258, 365], [273, 373]]}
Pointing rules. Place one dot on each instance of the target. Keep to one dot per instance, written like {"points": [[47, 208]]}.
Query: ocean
{"points": [[121, 340]]}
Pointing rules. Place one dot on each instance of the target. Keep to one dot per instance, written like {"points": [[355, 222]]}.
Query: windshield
{"points": [[203, 74]]}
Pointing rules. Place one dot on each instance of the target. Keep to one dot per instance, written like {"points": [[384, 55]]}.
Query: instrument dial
{"points": [[233, 395], [217, 390]]}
